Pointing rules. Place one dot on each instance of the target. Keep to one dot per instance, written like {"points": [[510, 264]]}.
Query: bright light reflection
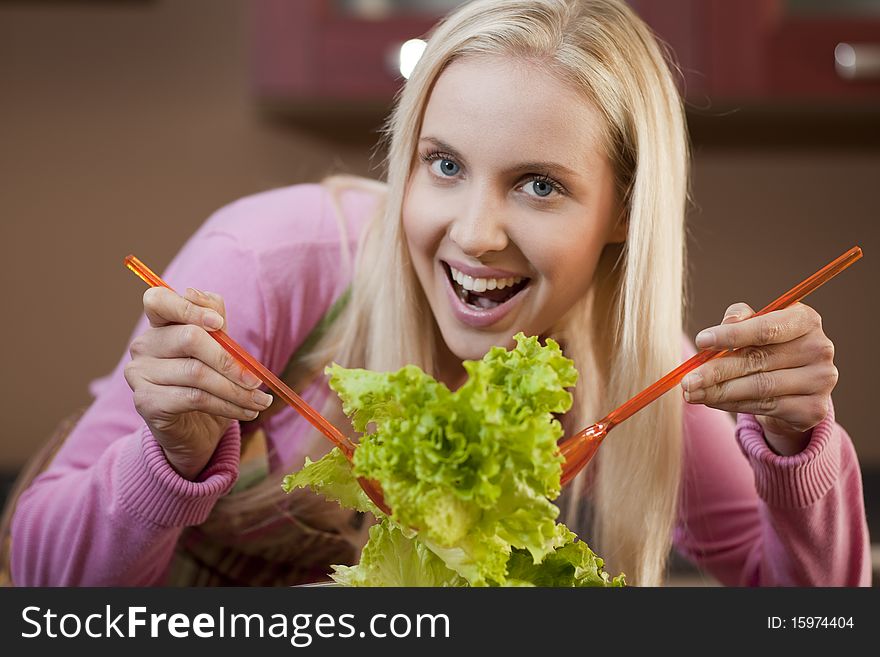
{"points": [[410, 52]]}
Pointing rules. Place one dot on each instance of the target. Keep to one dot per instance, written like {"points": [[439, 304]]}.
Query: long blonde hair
{"points": [[627, 331]]}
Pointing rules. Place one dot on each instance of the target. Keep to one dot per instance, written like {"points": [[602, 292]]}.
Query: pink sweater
{"points": [[109, 509]]}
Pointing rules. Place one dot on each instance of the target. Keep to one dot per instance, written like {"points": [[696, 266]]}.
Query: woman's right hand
{"points": [[186, 386]]}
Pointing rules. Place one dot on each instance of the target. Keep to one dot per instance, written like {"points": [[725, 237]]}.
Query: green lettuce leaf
{"points": [[573, 564], [331, 476], [390, 558], [475, 470]]}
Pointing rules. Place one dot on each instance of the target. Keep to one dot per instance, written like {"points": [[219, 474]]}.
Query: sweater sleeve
{"points": [[109, 509], [750, 517]]}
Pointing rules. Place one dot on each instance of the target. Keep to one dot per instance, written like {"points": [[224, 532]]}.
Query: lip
{"points": [[478, 318], [483, 272]]}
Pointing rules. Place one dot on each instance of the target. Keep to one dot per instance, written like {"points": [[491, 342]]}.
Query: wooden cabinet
{"points": [[787, 50], [764, 52], [324, 55]]}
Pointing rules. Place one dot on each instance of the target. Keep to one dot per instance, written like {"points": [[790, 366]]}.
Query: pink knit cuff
{"points": [[151, 489], [796, 481]]}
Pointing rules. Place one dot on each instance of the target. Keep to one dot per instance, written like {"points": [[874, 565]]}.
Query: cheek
{"points": [[422, 227], [566, 262]]}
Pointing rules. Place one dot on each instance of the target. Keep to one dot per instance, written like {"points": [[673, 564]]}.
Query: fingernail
{"points": [[213, 319], [262, 398], [692, 381], [195, 291], [695, 395], [705, 339], [248, 379]]}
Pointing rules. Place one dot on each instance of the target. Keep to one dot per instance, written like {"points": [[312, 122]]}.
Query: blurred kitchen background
{"points": [[125, 123]]}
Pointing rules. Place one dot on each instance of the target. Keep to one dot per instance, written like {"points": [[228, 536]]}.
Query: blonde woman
{"points": [[536, 182]]}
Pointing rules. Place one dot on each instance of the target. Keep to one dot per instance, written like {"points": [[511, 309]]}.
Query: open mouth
{"points": [[484, 294]]}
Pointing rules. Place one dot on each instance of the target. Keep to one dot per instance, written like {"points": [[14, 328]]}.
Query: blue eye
{"points": [[446, 166], [541, 187]]}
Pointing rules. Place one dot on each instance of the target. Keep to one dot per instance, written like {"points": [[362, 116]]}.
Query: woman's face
{"points": [[509, 204]]}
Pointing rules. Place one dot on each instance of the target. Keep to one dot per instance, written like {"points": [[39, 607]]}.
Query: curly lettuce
{"points": [[470, 475]]}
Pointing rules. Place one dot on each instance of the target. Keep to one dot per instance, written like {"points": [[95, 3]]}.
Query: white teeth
{"points": [[483, 284]]}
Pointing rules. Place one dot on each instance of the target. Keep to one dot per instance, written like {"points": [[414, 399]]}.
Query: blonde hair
{"points": [[627, 331]]}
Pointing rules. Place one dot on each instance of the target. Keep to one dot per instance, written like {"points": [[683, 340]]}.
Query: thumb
{"points": [[737, 312]]}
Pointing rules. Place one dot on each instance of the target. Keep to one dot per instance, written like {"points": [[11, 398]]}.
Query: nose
{"points": [[479, 226]]}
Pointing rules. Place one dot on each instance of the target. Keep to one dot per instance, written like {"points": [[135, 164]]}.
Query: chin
{"points": [[471, 344]]}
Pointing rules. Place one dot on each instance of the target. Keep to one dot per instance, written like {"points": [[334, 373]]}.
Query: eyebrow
{"points": [[517, 168]]}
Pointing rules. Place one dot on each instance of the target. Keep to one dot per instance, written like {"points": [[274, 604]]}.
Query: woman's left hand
{"points": [[782, 372]]}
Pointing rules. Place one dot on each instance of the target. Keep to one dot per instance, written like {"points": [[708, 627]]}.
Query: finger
{"points": [[805, 350], [773, 328], [737, 312], [806, 380], [193, 373], [163, 307], [801, 412], [189, 341], [210, 300], [176, 400]]}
